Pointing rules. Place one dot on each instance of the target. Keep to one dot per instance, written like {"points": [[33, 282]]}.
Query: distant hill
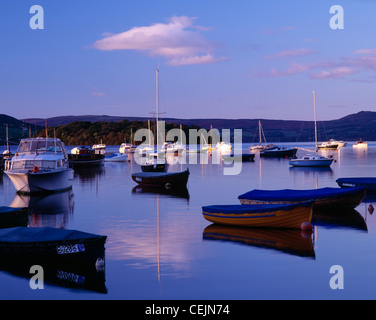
{"points": [[17, 129], [110, 133], [350, 128]]}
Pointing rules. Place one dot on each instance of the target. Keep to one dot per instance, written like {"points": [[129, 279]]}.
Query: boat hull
{"points": [[239, 157], [41, 182], [324, 198], [275, 216], [278, 153], [116, 158], [86, 160], [157, 167], [162, 179], [311, 163]]}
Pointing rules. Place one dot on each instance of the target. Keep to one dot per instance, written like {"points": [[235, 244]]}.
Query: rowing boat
{"points": [[290, 216], [162, 179], [323, 198]]}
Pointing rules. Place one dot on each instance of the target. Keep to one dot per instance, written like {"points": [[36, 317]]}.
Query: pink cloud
{"points": [[179, 41], [365, 51], [364, 61], [291, 53], [99, 94], [275, 31], [339, 72]]}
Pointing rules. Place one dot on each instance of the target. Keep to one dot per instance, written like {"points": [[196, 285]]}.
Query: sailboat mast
{"points": [[157, 103], [260, 131], [7, 138], [314, 108]]}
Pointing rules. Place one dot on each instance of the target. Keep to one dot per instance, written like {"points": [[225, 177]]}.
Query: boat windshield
{"points": [[39, 146]]}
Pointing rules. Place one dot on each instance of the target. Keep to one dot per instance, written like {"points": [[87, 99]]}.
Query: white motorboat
{"points": [[223, 146], [331, 144], [360, 144], [116, 157], [99, 148], [312, 160], [40, 165]]}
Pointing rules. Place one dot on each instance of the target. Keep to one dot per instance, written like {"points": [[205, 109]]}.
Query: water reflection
{"points": [[294, 242], [332, 218], [53, 210], [69, 275], [174, 193], [86, 175]]}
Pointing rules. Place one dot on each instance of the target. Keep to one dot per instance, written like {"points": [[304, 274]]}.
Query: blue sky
{"points": [[218, 59]]}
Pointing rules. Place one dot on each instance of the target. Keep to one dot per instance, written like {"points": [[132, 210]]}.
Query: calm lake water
{"points": [[160, 247]]}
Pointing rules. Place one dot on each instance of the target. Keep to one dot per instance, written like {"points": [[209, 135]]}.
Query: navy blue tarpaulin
{"points": [[28, 235], [297, 195]]}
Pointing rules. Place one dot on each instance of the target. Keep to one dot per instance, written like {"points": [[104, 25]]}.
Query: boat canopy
{"points": [[27, 234], [40, 145], [300, 195]]}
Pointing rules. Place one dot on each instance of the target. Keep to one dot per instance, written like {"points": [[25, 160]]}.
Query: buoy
{"points": [[305, 226], [99, 264], [370, 209], [35, 169]]}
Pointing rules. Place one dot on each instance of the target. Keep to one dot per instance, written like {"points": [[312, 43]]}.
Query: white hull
{"points": [[361, 145], [51, 181], [117, 158]]}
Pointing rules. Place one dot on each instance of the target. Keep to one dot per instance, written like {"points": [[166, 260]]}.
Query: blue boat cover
{"points": [[9, 210], [366, 181], [253, 208], [298, 195], [29, 234]]}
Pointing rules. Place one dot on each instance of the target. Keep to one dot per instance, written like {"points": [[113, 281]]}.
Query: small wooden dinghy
{"points": [[162, 179], [290, 216], [368, 183], [323, 198], [51, 244]]}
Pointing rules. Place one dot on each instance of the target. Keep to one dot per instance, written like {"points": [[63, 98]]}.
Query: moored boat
{"points": [[360, 144], [369, 183], [323, 198], [239, 157], [279, 152], [331, 144], [51, 244], [290, 216], [100, 148], [162, 179], [116, 157], [311, 161], [40, 165], [85, 156]]}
